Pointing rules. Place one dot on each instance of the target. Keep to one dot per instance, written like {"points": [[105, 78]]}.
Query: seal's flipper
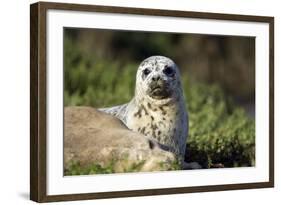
{"points": [[118, 111]]}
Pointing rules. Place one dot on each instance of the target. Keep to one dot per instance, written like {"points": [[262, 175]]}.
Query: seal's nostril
{"points": [[156, 78]]}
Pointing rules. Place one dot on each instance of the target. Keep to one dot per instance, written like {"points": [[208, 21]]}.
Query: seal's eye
{"points": [[169, 71], [146, 71]]}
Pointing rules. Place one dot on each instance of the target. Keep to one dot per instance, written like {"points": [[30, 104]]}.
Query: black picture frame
{"points": [[38, 101]]}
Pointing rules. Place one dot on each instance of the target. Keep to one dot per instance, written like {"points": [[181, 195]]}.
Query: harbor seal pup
{"points": [[158, 108]]}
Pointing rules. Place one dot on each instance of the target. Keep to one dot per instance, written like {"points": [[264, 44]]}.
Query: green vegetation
{"points": [[220, 132], [76, 169]]}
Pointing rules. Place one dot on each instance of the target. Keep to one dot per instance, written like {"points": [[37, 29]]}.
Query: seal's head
{"points": [[158, 79]]}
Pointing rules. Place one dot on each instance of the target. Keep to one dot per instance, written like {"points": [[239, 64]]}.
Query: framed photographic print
{"points": [[134, 102]]}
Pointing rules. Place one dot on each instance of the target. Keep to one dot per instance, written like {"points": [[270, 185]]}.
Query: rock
{"points": [[94, 137]]}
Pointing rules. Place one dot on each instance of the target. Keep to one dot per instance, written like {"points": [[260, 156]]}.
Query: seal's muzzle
{"points": [[158, 89]]}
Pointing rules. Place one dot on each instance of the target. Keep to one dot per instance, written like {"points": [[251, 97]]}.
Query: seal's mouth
{"points": [[157, 88], [159, 92]]}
